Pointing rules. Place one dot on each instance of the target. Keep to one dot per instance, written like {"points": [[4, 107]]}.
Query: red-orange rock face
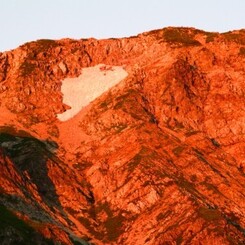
{"points": [[157, 159]]}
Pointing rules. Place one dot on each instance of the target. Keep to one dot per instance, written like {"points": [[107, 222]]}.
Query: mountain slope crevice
{"points": [[156, 159]]}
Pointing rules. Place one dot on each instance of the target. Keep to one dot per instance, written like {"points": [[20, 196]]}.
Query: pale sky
{"points": [[27, 20]]}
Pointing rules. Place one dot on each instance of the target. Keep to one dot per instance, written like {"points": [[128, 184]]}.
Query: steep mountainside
{"points": [[137, 140]]}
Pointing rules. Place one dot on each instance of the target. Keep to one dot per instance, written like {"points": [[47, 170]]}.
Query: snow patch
{"points": [[93, 82]]}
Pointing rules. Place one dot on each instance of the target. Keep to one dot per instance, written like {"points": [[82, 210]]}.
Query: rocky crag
{"points": [[159, 158]]}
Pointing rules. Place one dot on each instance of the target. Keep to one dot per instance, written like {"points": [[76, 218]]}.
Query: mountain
{"points": [[137, 140]]}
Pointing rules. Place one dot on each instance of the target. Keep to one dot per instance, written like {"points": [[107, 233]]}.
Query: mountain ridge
{"points": [[157, 159]]}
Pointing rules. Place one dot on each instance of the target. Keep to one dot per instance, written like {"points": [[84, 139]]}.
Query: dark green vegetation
{"points": [[164, 215], [186, 36], [210, 36], [177, 36], [113, 224], [238, 38], [215, 142], [44, 44], [242, 51], [31, 155], [125, 99], [117, 128], [27, 68], [178, 150], [108, 230], [209, 214], [145, 155], [34, 48], [41, 45], [15, 231], [11, 130]]}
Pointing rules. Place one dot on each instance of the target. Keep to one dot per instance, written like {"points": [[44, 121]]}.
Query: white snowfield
{"points": [[93, 82]]}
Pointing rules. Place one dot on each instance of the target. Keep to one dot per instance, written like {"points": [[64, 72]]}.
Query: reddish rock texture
{"points": [[158, 159]]}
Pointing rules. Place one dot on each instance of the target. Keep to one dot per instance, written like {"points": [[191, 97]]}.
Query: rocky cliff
{"points": [[156, 158]]}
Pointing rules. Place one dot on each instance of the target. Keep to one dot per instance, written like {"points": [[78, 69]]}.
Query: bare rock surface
{"points": [[155, 155]]}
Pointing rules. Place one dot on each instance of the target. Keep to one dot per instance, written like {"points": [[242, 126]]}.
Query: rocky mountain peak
{"points": [[136, 140]]}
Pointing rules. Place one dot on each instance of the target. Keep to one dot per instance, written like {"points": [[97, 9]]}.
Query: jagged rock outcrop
{"points": [[157, 159]]}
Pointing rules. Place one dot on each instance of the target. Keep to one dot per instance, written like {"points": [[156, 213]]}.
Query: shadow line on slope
{"points": [[30, 157]]}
